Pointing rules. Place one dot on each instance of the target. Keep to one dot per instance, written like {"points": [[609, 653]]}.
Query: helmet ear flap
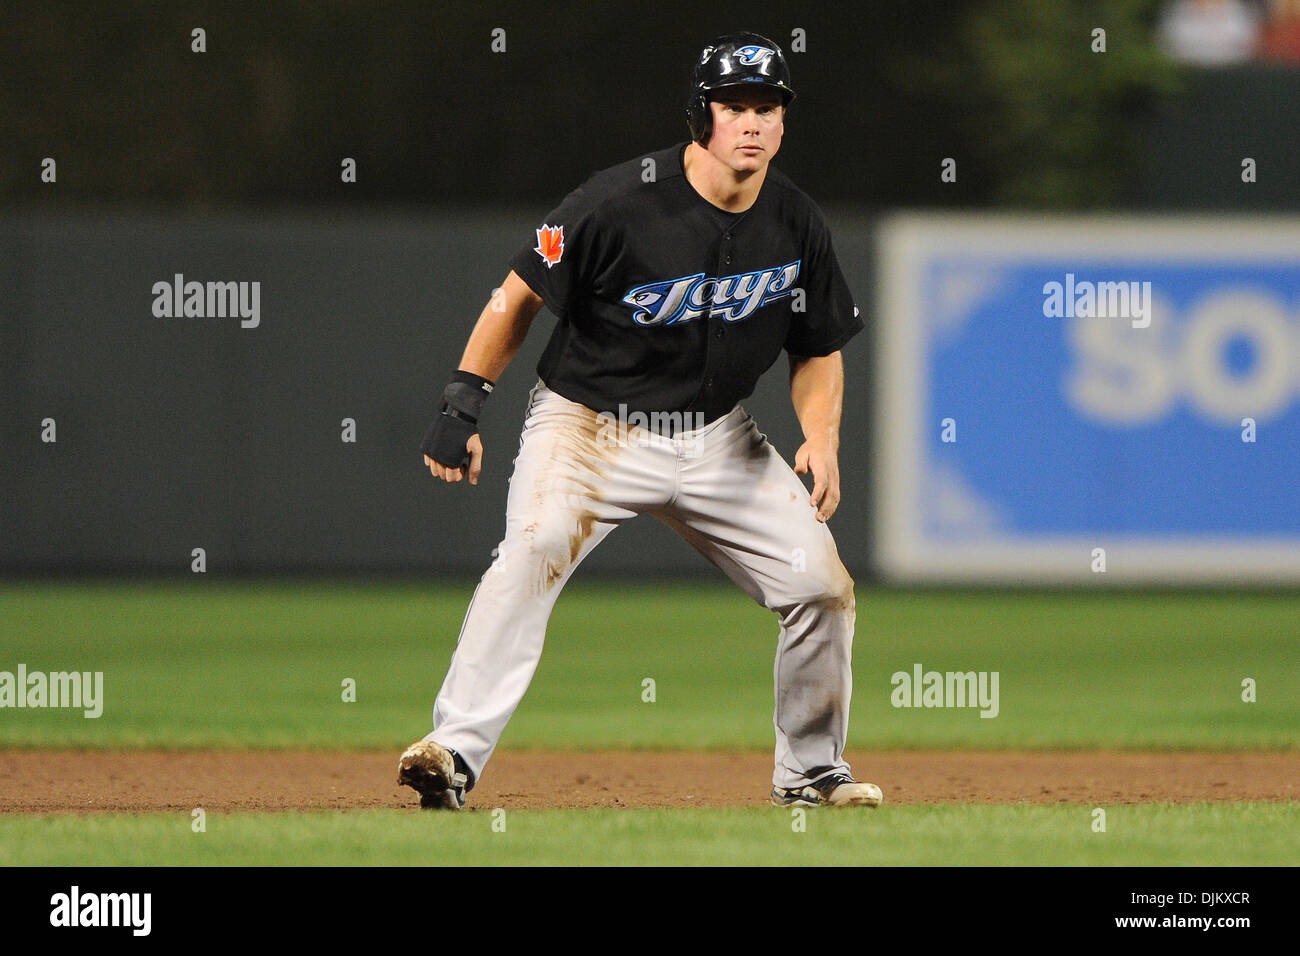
{"points": [[700, 118]]}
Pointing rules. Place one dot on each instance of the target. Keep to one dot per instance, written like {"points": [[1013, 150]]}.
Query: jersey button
{"points": [[720, 333]]}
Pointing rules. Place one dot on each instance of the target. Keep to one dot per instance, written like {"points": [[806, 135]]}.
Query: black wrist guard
{"points": [[457, 422], [466, 394]]}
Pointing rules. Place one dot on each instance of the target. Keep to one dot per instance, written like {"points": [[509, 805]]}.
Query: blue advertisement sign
{"points": [[1089, 400]]}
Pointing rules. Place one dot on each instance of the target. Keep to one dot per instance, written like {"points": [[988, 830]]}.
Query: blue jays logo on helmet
{"points": [[754, 55]]}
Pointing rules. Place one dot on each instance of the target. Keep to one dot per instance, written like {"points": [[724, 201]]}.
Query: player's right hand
{"points": [[447, 442], [475, 448]]}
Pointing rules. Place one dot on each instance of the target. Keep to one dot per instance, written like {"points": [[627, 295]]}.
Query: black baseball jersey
{"points": [[667, 303]]}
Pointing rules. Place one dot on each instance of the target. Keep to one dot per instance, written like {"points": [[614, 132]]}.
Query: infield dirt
{"points": [[69, 781]]}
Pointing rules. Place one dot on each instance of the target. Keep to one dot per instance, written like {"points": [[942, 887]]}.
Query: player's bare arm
{"points": [[501, 328], [498, 334], [817, 391]]}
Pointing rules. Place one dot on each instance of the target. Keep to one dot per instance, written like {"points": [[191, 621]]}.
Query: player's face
{"points": [[748, 124]]}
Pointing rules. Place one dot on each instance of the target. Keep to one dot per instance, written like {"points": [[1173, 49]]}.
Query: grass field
{"points": [[222, 664], [262, 665], [1155, 835]]}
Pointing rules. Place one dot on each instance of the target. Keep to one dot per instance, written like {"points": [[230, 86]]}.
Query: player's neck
{"points": [[718, 183]]}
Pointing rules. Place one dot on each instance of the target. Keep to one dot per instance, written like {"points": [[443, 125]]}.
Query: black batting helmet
{"points": [[734, 60]]}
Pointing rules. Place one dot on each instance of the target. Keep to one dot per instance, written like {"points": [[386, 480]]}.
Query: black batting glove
{"points": [[446, 440]]}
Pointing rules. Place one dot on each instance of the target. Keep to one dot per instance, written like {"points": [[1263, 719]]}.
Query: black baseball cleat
{"points": [[833, 790], [430, 770]]}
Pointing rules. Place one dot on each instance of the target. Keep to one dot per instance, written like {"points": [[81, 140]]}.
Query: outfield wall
{"points": [[177, 433], [1004, 442]]}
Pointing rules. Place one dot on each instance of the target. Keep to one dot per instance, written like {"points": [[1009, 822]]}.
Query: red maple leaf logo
{"points": [[550, 244]]}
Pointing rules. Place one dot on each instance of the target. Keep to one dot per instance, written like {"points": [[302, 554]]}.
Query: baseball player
{"points": [[677, 280]]}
